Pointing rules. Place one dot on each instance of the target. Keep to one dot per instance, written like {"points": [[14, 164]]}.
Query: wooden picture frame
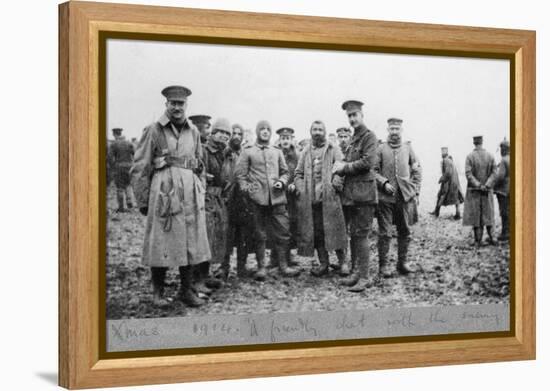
{"points": [[81, 24]]}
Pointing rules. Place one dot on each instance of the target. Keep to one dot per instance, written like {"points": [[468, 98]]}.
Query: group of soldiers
{"points": [[204, 193]]}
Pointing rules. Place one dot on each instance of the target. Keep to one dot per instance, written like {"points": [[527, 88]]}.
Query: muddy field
{"points": [[448, 271]]}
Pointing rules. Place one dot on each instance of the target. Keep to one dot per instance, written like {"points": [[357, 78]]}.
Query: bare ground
{"points": [[449, 271]]}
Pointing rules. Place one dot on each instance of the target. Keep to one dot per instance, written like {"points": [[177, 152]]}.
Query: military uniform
{"points": [[502, 189], [450, 192], [480, 171], [359, 197], [259, 168], [398, 166], [321, 223], [121, 156], [168, 190]]}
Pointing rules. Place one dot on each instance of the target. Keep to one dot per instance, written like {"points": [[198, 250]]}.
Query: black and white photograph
{"points": [[314, 194]]}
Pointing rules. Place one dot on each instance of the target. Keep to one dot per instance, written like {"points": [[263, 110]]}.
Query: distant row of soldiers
{"points": [[204, 194]]}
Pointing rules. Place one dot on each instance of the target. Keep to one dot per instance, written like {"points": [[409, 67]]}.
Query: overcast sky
{"points": [[443, 101]]}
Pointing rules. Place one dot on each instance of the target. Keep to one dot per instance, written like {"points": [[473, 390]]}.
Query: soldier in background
{"points": [[333, 139], [480, 171], [502, 189], [121, 156], [321, 222], [262, 173], [344, 136], [398, 175], [215, 209], [360, 193], [202, 122], [169, 191], [450, 192], [239, 212], [291, 155]]}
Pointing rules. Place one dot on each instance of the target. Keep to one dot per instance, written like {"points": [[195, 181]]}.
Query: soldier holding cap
{"points": [[360, 195], [168, 190], [202, 122], [120, 157], [502, 189], [450, 192], [216, 212], [398, 175], [262, 173], [291, 155], [480, 171]]}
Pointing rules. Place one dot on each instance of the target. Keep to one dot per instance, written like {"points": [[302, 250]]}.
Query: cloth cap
{"points": [[505, 144], [351, 106], [221, 124], [117, 130], [343, 129], [200, 118], [478, 139], [176, 93], [395, 121], [285, 131]]}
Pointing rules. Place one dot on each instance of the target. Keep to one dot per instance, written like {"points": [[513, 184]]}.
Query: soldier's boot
{"points": [[284, 269], [242, 255], [383, 263], [322, 269], [435, 212], [478, 234], [223, 272], [209, 281], [353, 277], [457, 215], [186, 293], [120, 201], [291, 259], [158, 276], [362, 259], [504, 233], [344, 269], [261, 273], [490, 235], [273, 258], [402, 262], [129, 202]]}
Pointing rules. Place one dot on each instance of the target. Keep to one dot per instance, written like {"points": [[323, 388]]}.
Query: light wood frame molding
{"points": [[80, 24]]}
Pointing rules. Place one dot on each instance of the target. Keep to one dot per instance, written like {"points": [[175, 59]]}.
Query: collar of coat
{"points": [[164, 121], [359, 133]]}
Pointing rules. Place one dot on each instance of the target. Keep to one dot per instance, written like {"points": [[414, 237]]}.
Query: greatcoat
{"points": [[334, 225], [450, 192], [480, 170], [164, 177]]}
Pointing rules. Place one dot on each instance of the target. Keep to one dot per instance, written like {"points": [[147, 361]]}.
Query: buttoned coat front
{"points": [[360, 159], [175, 227], [259, 167]]}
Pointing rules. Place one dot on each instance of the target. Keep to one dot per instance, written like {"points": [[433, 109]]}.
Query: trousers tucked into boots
{"points": [[383, 249], [186, 293]]}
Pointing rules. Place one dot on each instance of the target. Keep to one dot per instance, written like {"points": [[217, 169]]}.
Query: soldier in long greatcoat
{"points": [[450, 192], [479, 212], [321, 223], [169, 191]]}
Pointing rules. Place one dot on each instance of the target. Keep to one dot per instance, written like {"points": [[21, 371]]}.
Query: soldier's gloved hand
{"points": [[278, 185], [144, 210], [389, 188]]}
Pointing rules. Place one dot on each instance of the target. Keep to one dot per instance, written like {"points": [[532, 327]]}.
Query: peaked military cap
{"points": [[285, 131], [444, 149], [117, 130], [176, 93], [200, 118], [395, 121], [351, 106], [505, 144], [478, 139]]}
